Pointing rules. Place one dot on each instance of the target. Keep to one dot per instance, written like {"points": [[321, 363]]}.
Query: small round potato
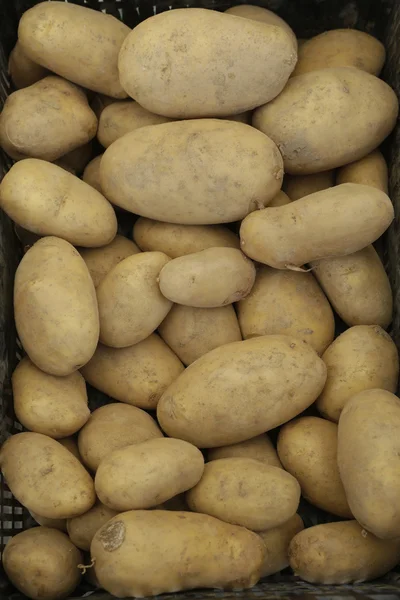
{"points": [[370, 170], [258, 13], [100, 261], [298, 186], [259, 448], [277, 542], [82, 529], [91, 174], [24, 71]]}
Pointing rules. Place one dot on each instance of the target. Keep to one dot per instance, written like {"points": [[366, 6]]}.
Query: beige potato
{"points": [[288, 303], [60, 524], [71, 444], [91, 174], [217, 555], [198, 172], [357, 287], [111, 427], [257, 13], [246, 492], [131, 306], [208, 279], [276, 541], [82, 529], [55, 307], [83, 47], [100, 261], [191, 332], [307, 448], [368, 459], [364, 357], [147, 474], [54, 406], [343, 552], [165, 65], [42, 563], [99, 103], [22, 70], [259, 448], [298, 186], [319, 101], [370, 170], [76, 160], [45, 477], [280, 199], [47, 200], [136, 375], [334, 222], [241, 390]]}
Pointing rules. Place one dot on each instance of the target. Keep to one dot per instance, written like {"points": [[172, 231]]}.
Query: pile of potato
{"points": [[254, 172]]}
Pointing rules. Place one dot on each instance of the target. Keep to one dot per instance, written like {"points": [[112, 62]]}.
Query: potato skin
{"points": [[71, 444], [238, 391], [276, 541], [101, 260], [76, 160], [363, 357], [259, 448], [217, 555], [91, 174], [60, 524], [319, 100], [229, 170], [371, 170], [368, 459], [22, 70], [298, 186], [54, 297], [42, 563], [334, 222], [281, 199], [340, 553], [45, 477], [258, 13], [82, 529]]}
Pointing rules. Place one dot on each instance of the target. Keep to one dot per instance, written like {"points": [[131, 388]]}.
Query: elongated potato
{"points": [[22, 70], [55, 307], [298, 186], [217, 555], [334, 222], [319, 101], [47, 200], [371, 170], [280, 199], [45, 477], [364, 357], [82, 529], [229, 170], [240, 390], [100, 261], [91, 174], [288, 303], [368, 459], [258, 13], [343, 552], [357, 287], [277, 542], [259, 448], [136, 375]]}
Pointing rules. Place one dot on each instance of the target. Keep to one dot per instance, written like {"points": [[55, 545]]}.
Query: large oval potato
{"points": [[240, 390], [165, 66], [198, 172], [136, 375], [298, 186], [55, 307], [276, 541], [244, 491], [208, 279], [100, 261], [319, 101], [217, 554], [288, 303], [47, 200], [82, 529], [307, 448], [24, 71], [83, 46], [368, 459], [340, 553], [45, 477], [91, 174], [363, 358], [334, 222], [258, 13], [42, 563], [131, 305], [370, 170], [259, 448]]}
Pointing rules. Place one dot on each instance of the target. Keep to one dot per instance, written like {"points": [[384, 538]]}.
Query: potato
{"points": [[357, 287], [288, 303], [99, 103], [42, 563], [307, 448], [82, 529], [47, 200], [280, 199], [334, 222], [259, 448], [298, 186], [131, 305], [364, 357], [276, 541], [343, 552], [55, 307], [341, 48], [111, 427], [147, 474], [178, 240], [208, 279], [240, 390], [257, 13], [370, 170], [76, 160], [45, 477], [165, 66], [199, 172], [71, 444], [368, 459], [83, 47], [216, 555], [319, 101], [54, 406], [60, 524], [137, 375], [100, 261], [91, 174], [22, 70], [191, 332]]}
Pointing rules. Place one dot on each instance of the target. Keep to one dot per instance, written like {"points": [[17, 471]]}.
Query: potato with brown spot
{"points": [[371, 170], [259, 448], [101, 260], [22, 70], [298, 186], [82, 529], [276, 541]]}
